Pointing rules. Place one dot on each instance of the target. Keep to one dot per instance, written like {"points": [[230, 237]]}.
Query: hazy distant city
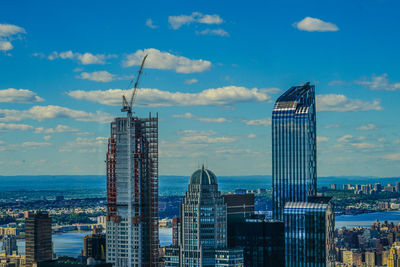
{"points": [[212, 133]]}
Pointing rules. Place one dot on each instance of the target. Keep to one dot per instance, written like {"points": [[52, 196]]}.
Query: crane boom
{"points": [[128, 106]]}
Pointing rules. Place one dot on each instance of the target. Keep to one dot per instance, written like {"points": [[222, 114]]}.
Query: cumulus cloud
{"points": [[341, 103], [59, 129], [150, 24], [260, 122], [9, 32], [330, 126], [196, 17], [395, 156], [349, 138], [227, 95], [166, 61], [197, 132], [14, 127], [204, 139], [251, 136], [190, 116], [97, 76], [85, 58], [321, 139], [367, 127], [219, 32], [35, 144], [25, 96], [85, 145], [315, 25], [191, 81], [379, 82], [41, 113], [5, 46]]}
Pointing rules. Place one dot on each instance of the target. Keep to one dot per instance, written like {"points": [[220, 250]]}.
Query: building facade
{"points": [[132, 192], [294, 174], [94, 246], [38, 238], [203, 220], [309, 233], [9, 246]]}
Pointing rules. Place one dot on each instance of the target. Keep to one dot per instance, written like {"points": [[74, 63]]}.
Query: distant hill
{"points": [[168, 184]]}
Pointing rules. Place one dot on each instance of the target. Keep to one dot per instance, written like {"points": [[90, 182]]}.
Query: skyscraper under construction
{"points": [[132, 192]]}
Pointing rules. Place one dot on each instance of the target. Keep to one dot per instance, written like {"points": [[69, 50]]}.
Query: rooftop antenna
{"points": [[127, 106]]}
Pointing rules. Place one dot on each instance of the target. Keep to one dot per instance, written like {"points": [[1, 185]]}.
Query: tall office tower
{"points": [[175, 231], [132, 192], [294, 174], [203, 220], [38, 239], [9, 246], [309, 233]]}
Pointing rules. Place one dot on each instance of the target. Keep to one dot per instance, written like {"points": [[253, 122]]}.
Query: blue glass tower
{"points": [[294, 174]]}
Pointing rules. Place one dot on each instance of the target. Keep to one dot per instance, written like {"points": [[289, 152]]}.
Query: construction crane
{"points": [[127, 106]]}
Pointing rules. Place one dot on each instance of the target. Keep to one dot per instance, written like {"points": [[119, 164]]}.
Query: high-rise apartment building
{"points": [[132, 192], [309, 233], [38, 239], [9, 246], [294, 174]]}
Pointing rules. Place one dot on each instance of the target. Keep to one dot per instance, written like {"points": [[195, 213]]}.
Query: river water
{"points": [[71, 244]]}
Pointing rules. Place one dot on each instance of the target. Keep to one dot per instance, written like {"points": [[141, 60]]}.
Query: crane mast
{"points": [[127, 106]]}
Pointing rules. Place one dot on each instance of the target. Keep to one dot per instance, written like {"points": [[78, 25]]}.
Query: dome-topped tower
{"points": [[203, 176]]}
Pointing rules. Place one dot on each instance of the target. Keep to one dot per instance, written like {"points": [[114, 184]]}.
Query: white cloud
{"points": [[227, 95], [150, 24], [196, 17], [219, 32], [340, 103], [367, 127], [336, 82], [204, 139], [166, 61], [377, 82], [59, 129], [330, 126], [270, 90], [25, 96], [190, 116], [41, 113], [191, 81], [7, 34], [85, 58], [392, 156], [197, 132], [14, 127], [363, 145], [315, 25], [350, 139], [85, 145], [35, 144], [322, 139], [5, 46], [251, 136], [97, 76], [260, 122], [46, 138]]}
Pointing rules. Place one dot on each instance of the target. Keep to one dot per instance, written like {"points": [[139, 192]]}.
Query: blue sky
{"points": [[213, 73]]}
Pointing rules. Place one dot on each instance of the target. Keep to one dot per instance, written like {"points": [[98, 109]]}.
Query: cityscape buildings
{"points": [[9, 246], [94, 245], [294, 173], [38, 239], [132, 192]]}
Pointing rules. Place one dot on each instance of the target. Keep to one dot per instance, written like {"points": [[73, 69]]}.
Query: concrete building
{"points": [[132, 192], [38, 238]]}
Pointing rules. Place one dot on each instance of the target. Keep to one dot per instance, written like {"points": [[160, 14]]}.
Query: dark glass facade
{"points": [[309, 230], [263, 242], [294, 172]]}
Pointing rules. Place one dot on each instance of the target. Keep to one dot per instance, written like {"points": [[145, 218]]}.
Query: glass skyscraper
{"points": [[309, 233], [294, 174]]}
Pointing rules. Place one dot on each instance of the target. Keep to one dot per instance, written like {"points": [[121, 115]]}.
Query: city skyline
{"points": [[213, 79]]}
